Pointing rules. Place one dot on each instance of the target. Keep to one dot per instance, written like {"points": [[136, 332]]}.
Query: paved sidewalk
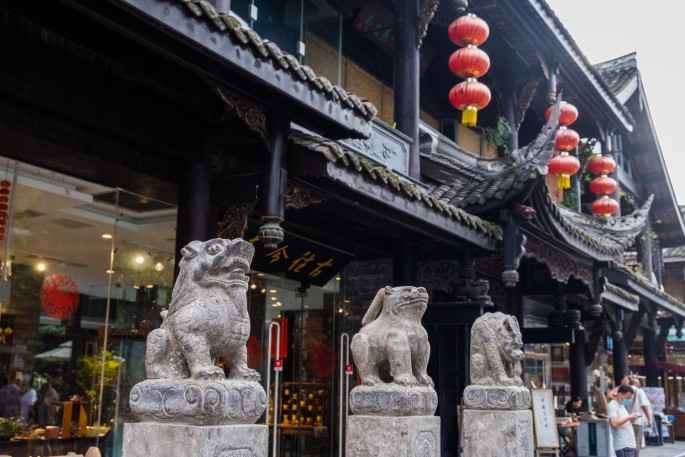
{"points": [[667, 450]]}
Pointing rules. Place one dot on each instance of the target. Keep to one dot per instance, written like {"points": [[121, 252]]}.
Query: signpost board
{"points": [[544, 419]]}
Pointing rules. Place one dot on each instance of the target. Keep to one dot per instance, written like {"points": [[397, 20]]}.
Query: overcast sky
{"points": [[606, 29]]}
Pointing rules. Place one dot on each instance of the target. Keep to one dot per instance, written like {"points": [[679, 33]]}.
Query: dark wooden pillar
{"points": [[578, 367], [193, 220], [509, 102], [649, 348], [275, 180], [404, 266], [620, 351], [406, 78]]}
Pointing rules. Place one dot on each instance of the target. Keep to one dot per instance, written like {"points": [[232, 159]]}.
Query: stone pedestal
{"points": [[498, 433], [149, 439], [412, 436]]}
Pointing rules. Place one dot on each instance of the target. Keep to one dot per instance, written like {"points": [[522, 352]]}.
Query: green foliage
{"points": [[52, 331], [90, 369], [498, 135], [570, 199], [10, 426]]}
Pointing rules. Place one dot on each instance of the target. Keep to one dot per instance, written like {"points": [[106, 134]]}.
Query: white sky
{"points": [[606, 29]]}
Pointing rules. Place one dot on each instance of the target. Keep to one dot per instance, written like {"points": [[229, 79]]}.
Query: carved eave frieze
{"points": [[428, 9], [484, 184], [234, 222], [561, 266], [251, 114]]}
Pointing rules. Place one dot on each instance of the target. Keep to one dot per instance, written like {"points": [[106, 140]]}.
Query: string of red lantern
{"points": [[564, 164], [469, 63], [603, 185], [4, 206]]}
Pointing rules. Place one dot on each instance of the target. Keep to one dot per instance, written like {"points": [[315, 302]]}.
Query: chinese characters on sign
{"points": [[545, 419], [300, 259]]}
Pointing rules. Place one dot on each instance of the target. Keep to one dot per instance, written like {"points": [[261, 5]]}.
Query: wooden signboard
{"points": [[544, 419]]}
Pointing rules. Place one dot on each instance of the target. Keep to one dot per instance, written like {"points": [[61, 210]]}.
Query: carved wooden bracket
{"points": [[633, 327], [234, 223], [250, 113], [594, 337], [428, 8], [664, 329]]}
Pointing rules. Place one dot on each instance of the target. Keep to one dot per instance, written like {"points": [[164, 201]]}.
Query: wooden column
{"points": [[275, 180], [404, 266], [193, 220], [509, 102], [649, 348], [578, 367], [406, 78], [620, 351]]}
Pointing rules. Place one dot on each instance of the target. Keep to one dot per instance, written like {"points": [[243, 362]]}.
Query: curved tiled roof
{"points": [[492, 182], [338, 153], [269, 50], [596, 236]]}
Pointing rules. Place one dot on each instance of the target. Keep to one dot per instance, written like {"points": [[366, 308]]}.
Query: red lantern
{"points": [[5, 183], [469, 62], [59, 296], [566, 139], [563, 165], [568, 115], [468, 29], [470, 96], [603, 185], [604, 206], [601, 165]]}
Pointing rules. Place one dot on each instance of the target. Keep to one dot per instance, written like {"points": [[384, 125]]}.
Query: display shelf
{"points": [[302, 405]]}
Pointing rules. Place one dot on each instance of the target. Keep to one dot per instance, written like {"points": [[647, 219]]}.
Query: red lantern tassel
{"points": [[469, 116], [564, 181]]}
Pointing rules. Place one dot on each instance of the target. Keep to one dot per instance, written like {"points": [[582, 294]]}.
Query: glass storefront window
{"points": [[86, 270]]}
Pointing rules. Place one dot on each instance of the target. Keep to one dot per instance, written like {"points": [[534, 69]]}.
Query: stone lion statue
{"points": [[496, 351], [392, 345], [207, 316]]}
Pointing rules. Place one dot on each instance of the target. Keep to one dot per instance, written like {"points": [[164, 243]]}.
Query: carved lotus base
{"points": [[496, 397], [196, 402], [393, 400]]}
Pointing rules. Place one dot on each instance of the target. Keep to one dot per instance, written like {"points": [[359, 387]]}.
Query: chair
{"points": [[669, 425]]}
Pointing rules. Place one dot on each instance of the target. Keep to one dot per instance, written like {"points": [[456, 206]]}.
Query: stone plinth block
{"points": [[195, 402], [496, 397], [393, 400], [415, 436], [149, 439], [498, 433]]}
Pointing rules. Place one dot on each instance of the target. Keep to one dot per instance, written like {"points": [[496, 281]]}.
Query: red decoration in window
{"points": [[59, 296], [284, 338], [322, 361]]}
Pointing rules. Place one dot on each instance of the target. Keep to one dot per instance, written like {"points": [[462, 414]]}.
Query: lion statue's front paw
{"points": [[246, 375], [405, 379], [211, 373]]}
